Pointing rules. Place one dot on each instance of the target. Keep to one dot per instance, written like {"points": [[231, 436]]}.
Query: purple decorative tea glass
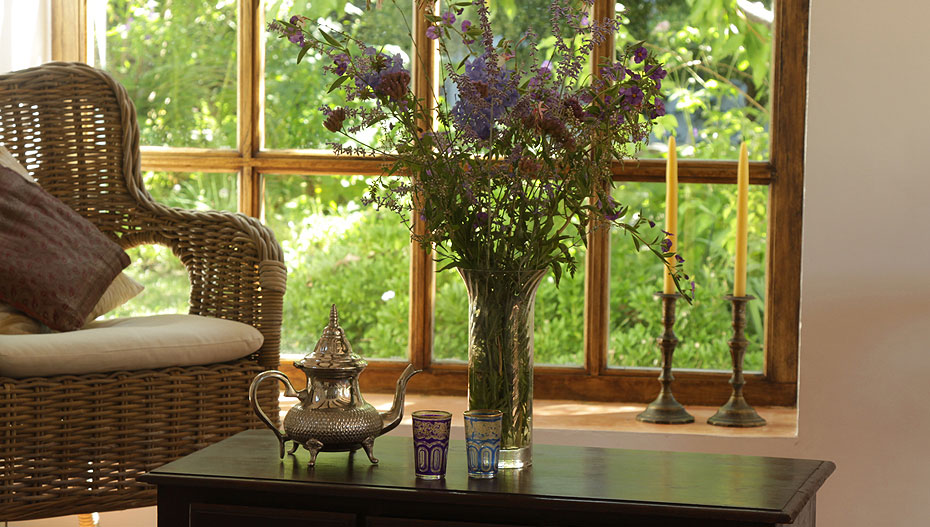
{"points": [[431, 442]]}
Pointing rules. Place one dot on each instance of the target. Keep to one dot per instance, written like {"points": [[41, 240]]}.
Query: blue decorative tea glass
{"points": [[483, 442], [431, 442]]}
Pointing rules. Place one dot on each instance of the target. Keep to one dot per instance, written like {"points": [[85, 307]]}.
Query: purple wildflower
{"points": [[465, 25], [612, 210], [613, 73], [651, 223], [679, 259], [666, 245], [297, 37], [484, 99], [432, 32], [342, 63], [634, 95], [383, 76], [448, 17], [640, 54], [657, 73], [481, 219], [658, 110]]}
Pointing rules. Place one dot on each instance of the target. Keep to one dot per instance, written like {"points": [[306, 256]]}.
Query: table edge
{"points": [[808, 489], [459, 497]]}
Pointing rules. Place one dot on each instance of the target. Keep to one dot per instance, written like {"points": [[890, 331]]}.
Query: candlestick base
{"points": [[736, 413], [665, 410]]}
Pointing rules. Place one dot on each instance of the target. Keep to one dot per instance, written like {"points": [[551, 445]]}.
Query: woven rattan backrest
{"points": [[75, 129]]}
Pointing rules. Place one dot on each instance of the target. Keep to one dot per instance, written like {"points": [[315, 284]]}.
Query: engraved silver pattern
{"points": [[331, 415]]}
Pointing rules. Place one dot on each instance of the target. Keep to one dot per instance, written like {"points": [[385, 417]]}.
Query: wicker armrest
{"points": [[234, 263]]}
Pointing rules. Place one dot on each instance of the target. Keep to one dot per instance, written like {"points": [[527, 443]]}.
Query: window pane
{"points": [[559, 321], [294, 93], [194, 190], [167, 287], [178, 62], [341, 252], [560, 318], [718, 59], [706, 219]]}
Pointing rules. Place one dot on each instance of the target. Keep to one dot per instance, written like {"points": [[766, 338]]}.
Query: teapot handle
{"points": [[289, 391]]}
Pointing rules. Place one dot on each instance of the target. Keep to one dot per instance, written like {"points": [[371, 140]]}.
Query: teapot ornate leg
{"points": [[369, 444], [294, 446], [313, 446], [282, 442]]}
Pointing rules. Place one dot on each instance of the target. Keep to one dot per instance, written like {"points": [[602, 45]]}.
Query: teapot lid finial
{"points": [[332, 351]]}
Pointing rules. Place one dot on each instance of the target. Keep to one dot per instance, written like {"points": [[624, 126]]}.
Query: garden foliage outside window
{"points": [[195, 70]]}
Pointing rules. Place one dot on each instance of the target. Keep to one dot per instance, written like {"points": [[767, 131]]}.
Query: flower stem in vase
{"points": [[500, 354]]}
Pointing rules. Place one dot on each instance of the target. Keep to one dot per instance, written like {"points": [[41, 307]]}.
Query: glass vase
{"points": [[500, 354]]}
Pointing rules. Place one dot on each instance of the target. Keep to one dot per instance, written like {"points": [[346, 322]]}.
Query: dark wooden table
{"points": [[240, 481]]}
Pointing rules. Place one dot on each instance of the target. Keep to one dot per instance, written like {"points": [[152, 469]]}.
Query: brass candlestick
{"points": [[737, 412], [665, 409]]}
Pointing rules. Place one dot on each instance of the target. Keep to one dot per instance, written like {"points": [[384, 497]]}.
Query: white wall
{"points": [[864, 358]]}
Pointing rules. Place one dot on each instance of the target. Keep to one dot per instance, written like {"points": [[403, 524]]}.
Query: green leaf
{"points": [[556, 272], [337, 83], [303, 51], [332, 41]]}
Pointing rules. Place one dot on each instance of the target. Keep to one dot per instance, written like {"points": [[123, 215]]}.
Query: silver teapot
{"points": [[331, 415]]}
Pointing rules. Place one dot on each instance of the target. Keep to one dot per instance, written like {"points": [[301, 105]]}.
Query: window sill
{"points": [[598, 416]]}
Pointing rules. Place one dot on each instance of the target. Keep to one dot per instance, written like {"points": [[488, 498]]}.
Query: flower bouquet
{"points": [[507, 168]]}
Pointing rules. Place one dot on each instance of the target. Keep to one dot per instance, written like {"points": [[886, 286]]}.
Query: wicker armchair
{"points": [[75, 444]]}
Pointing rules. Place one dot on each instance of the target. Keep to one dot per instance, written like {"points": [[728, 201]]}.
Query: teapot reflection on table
{"points": [[331, 415]]}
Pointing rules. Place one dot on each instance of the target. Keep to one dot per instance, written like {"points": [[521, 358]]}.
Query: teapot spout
{"points": [[392, 417]]}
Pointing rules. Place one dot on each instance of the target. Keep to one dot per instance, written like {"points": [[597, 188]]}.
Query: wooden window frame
{"points": [[776, 385]]}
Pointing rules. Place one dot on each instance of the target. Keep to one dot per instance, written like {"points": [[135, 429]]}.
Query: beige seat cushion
{"points": [[134, 343]]}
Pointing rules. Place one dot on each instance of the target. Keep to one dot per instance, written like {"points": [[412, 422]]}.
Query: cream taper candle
{"points": [[671, 210], [742, 222]]}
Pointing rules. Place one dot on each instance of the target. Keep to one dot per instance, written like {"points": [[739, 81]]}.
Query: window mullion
{"points": [[69, 30], [597, 259], [422, 287], [249, 131]]}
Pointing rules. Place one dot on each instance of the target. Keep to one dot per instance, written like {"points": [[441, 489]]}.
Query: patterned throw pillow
{"points": [[54, 264], [121, 290]]}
